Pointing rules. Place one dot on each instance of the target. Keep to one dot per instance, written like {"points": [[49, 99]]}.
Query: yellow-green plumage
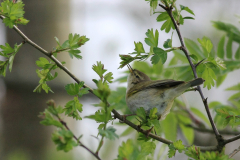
{"points": [[143, 92]]}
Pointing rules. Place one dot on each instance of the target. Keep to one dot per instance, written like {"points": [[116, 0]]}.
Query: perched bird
{"points": [[146, 93]]}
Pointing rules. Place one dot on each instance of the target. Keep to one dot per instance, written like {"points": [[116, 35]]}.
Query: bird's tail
{"points": [[196, 82], [181, 88]]}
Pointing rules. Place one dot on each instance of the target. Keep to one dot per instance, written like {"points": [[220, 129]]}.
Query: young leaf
{"points": [[187, 9], [108, 77], [139, 47], [229, 47], [64, 140], [152, 39], [237, 54], [167, 43], [209, 77], [169, 127], [109, 133], [72, 108], [141, 113], [220, 50], [42, 62], [159, 54], [99, 69]]}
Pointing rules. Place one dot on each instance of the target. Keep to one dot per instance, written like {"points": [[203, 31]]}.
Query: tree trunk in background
{"points": [[21, 132]]}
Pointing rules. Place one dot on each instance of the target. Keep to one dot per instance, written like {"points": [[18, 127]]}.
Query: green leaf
{"points": [[83, 91], [42, 62], [148, 147], [229, 47], [206, 44], [234, 88], [159, 54], [126, 59], [163, 16], [6, 49], [75, 53], [200, 115], [109, 133], [193, 48], [64, 140], [74, 89], [237, 54], [169, 127], [195, 58], [188, 18], [220, 50], [187, 131], [152, 39], [209, 77], [179, 146], [220, 79], [99, 69], [126, 150], [141, 113], [108, 77], [72, 108], [48, 119], [127, 132], [167, 43], [139, 47], [153, 112], [187, 9], [3, 67], [171, 152]]}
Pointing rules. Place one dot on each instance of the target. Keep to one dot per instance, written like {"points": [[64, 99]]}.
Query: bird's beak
{"points": [[130, 68]]}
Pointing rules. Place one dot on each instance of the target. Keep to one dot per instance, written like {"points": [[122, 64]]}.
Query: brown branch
{"points": [[79, 142], [232, 139], [205, 130], [116, 114], [184, 49], [234, 152]]}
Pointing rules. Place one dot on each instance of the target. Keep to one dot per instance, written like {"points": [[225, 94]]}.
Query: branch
{"points": [[169, 11], [232, 139], [234, 152], [116, 114], [205, 130], [79, 142]]}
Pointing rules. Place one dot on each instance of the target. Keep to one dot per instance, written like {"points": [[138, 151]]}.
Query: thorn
{"points": [[149, 131]]}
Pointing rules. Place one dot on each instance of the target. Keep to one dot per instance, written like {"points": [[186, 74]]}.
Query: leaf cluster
{"points": [[13, 13], [9, 53], [71, 45], [129, 150], [194, 152], [45, 74]]}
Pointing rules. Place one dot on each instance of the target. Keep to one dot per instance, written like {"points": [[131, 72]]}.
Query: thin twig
{"points": [[169, 11], [234, 152], [206, 130], [79, 142], [232, 139]]}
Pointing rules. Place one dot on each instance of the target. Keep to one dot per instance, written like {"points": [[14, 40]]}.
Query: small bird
{"points": [[146, 93]]}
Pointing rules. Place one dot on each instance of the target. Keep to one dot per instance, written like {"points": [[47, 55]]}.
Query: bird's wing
{"points": [[164, 83], [158, 83]]}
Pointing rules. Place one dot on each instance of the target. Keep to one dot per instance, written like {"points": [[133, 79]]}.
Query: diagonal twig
{"points": [[184, 49]]}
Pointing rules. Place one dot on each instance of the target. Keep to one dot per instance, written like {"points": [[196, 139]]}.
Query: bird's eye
{"points": [[137, 76]]}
